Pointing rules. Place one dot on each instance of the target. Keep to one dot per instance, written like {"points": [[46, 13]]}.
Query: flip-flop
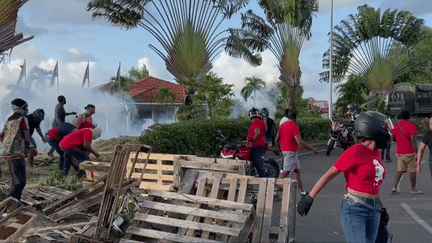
{"points": [[417, 192], [394, 192]]}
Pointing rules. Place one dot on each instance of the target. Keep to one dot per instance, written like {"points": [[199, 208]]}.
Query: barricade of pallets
{"points": [[228, 219], [14, 220]]}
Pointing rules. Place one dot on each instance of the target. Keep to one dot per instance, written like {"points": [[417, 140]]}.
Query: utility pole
{"points": [[331, 63]]}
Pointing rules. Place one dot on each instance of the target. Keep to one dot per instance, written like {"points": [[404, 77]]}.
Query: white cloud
{"points": [[155, 71]]}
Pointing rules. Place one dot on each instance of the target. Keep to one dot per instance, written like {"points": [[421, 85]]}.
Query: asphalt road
{"points": [[410, 215]]}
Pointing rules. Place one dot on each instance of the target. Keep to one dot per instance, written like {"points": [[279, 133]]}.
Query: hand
{"points": [[73, 113], [419, 169], [384, 216], [304, 205], [94, 125]]}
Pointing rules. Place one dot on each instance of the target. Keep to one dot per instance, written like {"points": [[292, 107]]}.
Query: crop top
{"points": [[363, 169]]}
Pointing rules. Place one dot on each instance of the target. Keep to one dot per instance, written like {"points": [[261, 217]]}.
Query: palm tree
{"points": [[253, 84], [165, 95], [374, 46], [286, 30], [9, 15], [353, 91], [187, 30], [138, 74]]}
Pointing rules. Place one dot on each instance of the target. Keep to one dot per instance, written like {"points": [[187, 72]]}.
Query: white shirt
{"points": [[284, 119]]}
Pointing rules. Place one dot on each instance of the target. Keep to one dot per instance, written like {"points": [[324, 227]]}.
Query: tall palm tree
{"points": [[253, 84], [287, 28], [165, 95], [138, 74], [353, 91], [374, 46], [187, 30], [9, 15]]}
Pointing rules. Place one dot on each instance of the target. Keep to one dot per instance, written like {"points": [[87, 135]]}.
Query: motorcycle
{"points": [[341, 136], [232, 150]]}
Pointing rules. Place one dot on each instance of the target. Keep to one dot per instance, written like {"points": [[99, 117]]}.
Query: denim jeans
{"points": [[17, 170], [256, 158], [359, 223], [55, 146], [76, 153]]}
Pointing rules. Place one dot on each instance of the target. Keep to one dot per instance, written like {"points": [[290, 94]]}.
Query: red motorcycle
{"points": [[232, 150], [341, 136]]}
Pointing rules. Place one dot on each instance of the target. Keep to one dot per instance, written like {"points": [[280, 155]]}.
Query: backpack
{"points": [[65, 129], [13, 141]]}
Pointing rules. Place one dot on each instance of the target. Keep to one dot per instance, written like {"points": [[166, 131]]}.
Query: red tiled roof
{"points": [[145, 90]]}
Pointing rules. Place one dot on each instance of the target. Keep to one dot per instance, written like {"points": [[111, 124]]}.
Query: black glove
{"points": [[73, 113], [384, 216], [304, 205]]}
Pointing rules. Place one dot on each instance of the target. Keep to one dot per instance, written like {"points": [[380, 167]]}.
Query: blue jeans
{"points": [[359, 223], [256, 158], [76, 153], [55, 146], [17, 170]]}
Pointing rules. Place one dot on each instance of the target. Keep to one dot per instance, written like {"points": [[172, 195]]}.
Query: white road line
{"points": [[416, 217]]}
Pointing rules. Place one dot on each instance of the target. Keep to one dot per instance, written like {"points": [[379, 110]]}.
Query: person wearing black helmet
{"points": [[255, 139], [364, 173], [16, 142], [271, 128]]}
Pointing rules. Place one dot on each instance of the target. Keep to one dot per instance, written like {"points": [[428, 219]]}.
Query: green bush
{"points": [[201, 138], [197, 137]]}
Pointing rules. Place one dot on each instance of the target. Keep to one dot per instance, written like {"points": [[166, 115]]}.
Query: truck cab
{"points": [[417, 100]]}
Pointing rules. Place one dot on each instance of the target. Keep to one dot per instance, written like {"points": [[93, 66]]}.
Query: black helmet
{"points": [[264, 112], [371, 125], [253, 113]]}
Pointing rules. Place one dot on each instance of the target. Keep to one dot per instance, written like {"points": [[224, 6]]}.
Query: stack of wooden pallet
{"points": [[14, 220]]}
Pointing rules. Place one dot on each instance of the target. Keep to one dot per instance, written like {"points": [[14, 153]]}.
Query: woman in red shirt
{"points": [[364, 173], [53, 137], [85, 119], [256, 140]]}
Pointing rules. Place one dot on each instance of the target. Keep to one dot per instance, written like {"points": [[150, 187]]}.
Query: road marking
{"points": [[416, 217]]}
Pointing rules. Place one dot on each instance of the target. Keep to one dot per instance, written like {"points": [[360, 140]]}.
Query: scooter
{"points": [[341, 136], [231, 150]]}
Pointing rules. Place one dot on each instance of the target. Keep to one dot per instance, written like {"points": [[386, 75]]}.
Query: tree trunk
{"points": [[293, 97]]}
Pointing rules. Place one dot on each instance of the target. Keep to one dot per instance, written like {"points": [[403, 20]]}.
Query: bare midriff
{"points": [[362, 194]]}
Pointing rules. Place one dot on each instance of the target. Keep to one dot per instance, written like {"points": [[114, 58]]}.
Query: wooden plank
{"points": [[233, 168], [213, 194], [154, 177], [76, 208], [154, 186], [256, 236], [62, 234], [268, 211], [164, 235], [284, 218], [221, 215], [186, 224], [292, 209], [21, 228], [202, 200]]}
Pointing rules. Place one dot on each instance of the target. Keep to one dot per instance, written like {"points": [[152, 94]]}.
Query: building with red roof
{"points": [[144, 92]]}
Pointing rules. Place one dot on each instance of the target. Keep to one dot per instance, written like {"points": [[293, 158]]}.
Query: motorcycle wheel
{"points": [[330, 146], [344, 146], [271, 168]]}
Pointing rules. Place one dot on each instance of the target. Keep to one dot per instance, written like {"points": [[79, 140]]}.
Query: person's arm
{"points": [[26, 132], [303, 144], [414, 142], [277, 141], [70, 113], [323, 181], [88, 147], [39, 131], [420, 156]]}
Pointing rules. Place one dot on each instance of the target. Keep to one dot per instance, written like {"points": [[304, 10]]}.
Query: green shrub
{"points": [[201, 138]]}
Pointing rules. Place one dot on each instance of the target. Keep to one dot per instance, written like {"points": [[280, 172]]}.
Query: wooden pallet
{"points": [[228, 166], [40, 197], [14, 220], [94, 170], [62, 233], [221, 219], [275, 219], [159, 170]]}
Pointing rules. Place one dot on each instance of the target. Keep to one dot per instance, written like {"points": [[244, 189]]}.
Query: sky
{"points": [[65, 32]]}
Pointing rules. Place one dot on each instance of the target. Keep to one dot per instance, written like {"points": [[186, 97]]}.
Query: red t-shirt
{"points": [[403, 140], [363, 169], [86, 124], [52, 133], [287, 133], [76, 138], [260, 141]]}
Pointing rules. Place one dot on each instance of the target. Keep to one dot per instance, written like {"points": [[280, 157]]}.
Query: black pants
{"points": [[386, 152], [256, 158], [18, 172]]}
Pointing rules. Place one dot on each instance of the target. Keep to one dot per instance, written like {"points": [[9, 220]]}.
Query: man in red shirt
{"points": [[289, 141], [53, 137], [256, 140], [406, 147], [77, 145]]}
